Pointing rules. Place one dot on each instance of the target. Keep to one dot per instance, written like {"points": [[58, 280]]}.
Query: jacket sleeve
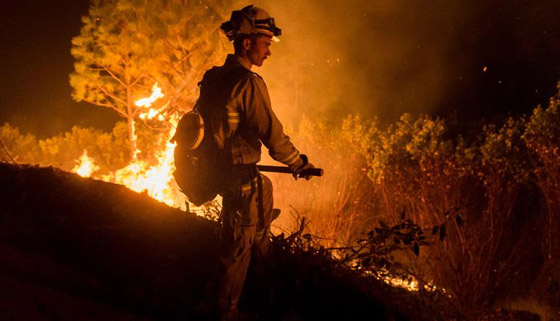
{"points": [[261, 120]]}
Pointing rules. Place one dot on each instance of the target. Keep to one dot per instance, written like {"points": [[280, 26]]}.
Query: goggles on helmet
{"points": [[268, 24]]}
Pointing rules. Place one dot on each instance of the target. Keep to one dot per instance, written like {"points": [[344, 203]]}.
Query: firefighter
{"points": [[238, 118]]}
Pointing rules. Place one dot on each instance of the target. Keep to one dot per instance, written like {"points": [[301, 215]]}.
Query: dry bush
{"points": [[109, 150], [542, 137], [338, 206], [16, 146], [469, 190]]}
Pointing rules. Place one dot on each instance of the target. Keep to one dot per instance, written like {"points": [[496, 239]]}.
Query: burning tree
{"points": [[126, 47]]}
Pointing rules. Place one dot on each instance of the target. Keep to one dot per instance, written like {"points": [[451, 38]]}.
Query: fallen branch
{"points": [[6, 151]]}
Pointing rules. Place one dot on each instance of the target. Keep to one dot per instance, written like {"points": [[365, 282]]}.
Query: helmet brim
{"points": [[268, 33]]}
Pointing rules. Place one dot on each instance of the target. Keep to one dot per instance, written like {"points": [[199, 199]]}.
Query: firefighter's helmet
{"points": [[250, 20]]}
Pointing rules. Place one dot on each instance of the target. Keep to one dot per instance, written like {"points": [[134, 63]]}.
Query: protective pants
{"points": [[246, 218]]}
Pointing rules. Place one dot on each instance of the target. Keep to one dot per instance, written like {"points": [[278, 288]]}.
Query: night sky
{"points": [[517, 41], [36, 62]]}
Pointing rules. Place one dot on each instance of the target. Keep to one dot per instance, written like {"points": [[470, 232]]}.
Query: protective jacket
{"points": [[237, 113], [235, 107]]}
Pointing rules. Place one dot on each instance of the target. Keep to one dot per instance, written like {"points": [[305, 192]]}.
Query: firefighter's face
{"points": [[258, 49]]}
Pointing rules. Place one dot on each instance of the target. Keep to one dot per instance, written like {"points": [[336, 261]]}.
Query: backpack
{"points": [[197, 167], [201, 167]]}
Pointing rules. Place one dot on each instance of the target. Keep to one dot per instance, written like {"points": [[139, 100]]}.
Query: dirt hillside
{"points": [[80, 249]]}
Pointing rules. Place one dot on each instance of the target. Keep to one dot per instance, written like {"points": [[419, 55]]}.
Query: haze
{"points": [[468, 59]]}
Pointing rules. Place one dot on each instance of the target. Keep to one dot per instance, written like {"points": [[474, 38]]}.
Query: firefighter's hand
{"points": [[300, 171]]}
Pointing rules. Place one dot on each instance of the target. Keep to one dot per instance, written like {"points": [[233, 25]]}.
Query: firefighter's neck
{"points": [[244, 60]]}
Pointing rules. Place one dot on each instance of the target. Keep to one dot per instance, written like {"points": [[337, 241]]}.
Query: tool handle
{"points": [[284, 169]]}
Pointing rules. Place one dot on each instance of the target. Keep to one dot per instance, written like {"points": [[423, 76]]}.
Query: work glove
{"points": [[299, 172]]}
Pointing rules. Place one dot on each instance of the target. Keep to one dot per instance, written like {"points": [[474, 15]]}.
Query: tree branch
{"points": [[107, 105], [113, 76], [6, 151], [137, 80], [111, 95]]}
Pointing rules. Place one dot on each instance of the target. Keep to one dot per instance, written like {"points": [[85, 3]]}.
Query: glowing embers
{"points": [[409, 282]]}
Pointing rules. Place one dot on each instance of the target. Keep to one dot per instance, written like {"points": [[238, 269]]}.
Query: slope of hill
{"points": [[80, 249], [85, 244]]}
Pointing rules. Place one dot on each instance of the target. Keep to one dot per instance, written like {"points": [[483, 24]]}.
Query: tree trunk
{"points": [[130, 112], [132, 138]]}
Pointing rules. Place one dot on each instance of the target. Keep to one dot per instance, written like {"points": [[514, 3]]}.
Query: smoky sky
{"points": [[384, 58], [470, 59]]}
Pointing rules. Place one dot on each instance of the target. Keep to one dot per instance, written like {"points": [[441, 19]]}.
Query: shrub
{"points": [[469, 190], [542, 137], [21, 148], [337, 206], [109, 150]]}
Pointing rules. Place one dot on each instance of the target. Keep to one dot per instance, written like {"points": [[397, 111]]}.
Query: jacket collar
{"points": [[233, 60]]}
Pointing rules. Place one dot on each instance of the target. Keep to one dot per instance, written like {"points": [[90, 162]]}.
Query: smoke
{"points": [[379, 58], [386, 57], [383, 58]]}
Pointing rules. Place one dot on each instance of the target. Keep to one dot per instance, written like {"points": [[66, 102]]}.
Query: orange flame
{"points": [[85, 166], [411, 284], [157, 180], [147, 104]]}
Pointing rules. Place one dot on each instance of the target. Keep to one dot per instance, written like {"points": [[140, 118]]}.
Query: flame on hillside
{"points": [[406, 281], [412, 284], [85, 166], [409, 283], [155, 180]]}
